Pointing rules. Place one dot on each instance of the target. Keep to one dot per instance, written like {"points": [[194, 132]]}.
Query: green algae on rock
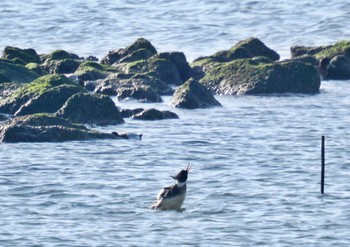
{"points": [[91, 109], [21, 56], [47, 93], [261, 76], [12, 72], [46, 128]]}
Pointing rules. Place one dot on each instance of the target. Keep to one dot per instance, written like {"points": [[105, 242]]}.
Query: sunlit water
{"points": [[256, 160]]}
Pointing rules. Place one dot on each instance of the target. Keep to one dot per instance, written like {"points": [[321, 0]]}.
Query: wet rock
{"points": [[64, 66], [334, 59], [115, 56], [12, 72], [21, 56], [46, 94], [163, 69], [141, 93], [192, 95], [91, 71], [127, 113], [6, 89], [144, 87], [36, 68], [46, 128], [245, 49], [91, 109], [339, 68], [261, 76], [60, 55], [154, 114], [4, 117], [61, 62], [48, 101], [141, 54], [180, 62]]}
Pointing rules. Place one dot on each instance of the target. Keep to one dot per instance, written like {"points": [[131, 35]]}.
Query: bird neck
{"points": [[180, 184]]}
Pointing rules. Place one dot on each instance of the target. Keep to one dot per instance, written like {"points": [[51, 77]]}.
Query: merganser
{"points": [[128, 135], [172, 197]]}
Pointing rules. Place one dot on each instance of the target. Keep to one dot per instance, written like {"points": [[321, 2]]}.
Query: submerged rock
{"points": [[192, 95], [91, 109], [46, 128], [154, 114]]}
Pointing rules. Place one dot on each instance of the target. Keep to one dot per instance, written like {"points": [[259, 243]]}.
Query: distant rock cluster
{"points": [[47, 97]]}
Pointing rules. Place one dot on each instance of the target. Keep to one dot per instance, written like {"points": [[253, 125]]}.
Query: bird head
{"points": [[181, 177]]}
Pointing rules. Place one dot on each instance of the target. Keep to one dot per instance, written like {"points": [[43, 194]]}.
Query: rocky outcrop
{"points": [[245, 49], [61, 62], [12, 72], [141, 48], [154, 114], [334, 60], [46, 94], [180, 62], [146, 88], [91, 109], [161, 68], [21, 56], [262, 76], [192, 95], [46, 128], [90, 71]]}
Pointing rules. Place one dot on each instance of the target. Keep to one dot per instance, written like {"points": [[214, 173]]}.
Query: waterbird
{"points": [[172, 197], [128, 135]]}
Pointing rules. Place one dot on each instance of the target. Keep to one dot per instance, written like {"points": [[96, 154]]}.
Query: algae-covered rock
{"points": [[259, 76], [141, 54], [154, 114], [330, 51], [12, 72], [49, 101], [21, 56], [60, 55], [46, 128], [64, 66], [36, 68], [164, 69], [115, 56], [144, 87], [91, 109], [180, 62], [90, 71], [61, 62], [248, 48], [339, 68], [334, 59], [6, 89], [192, 95], [45, 94], [141, 93]]}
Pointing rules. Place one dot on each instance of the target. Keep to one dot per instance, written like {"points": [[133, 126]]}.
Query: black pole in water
{"points": [[322, 164]]}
